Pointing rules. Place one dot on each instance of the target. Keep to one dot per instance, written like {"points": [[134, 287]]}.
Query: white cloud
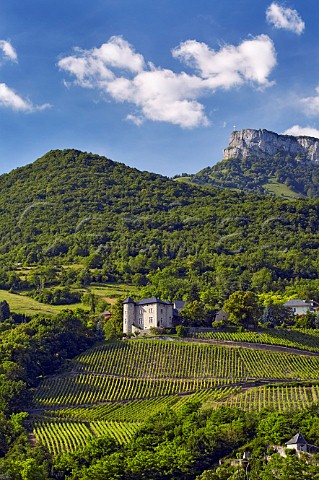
{"points": [[285, 18], [8, 50], [162, 94], [138, 120], [311, 104], [252, 60], [298, 131], [10, 99]]}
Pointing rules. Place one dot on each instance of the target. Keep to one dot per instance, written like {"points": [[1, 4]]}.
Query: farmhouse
{"points": [[148, 313], [301, 307], [298, 443]]}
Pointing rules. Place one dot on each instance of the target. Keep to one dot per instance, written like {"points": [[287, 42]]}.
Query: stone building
{"points": [[147, 313]]}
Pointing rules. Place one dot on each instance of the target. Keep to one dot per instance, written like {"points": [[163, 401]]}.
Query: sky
{"points": [[157, 85]]}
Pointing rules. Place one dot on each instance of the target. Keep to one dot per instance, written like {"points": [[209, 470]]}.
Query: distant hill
{"points": [[83, 210], [265, 162]]}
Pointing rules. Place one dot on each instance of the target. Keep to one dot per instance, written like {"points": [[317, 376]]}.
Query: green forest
{"points": [[79, 233], [77, 218], [294, 177]]}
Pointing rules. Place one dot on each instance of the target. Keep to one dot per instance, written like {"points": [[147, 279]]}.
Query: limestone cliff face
{"points": [[263, 144]]}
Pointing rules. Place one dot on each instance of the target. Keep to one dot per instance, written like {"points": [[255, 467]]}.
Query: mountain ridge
{"points": [[265, 162]]}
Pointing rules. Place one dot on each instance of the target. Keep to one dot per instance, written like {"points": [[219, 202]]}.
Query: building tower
{"points": [[128, 315]]}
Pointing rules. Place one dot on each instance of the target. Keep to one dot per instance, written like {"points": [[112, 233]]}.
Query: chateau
{"points": [[148, 313]]}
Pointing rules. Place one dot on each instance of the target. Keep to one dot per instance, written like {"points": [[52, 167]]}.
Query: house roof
{"points": [[129, 300], [146, 301], [298, 303], [179, 304], [297, 439]]}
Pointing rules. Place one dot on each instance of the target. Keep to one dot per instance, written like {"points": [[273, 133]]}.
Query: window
{"points": [[150, 319], [140, 321], [140, 312], [161, 310], [150, 310]]}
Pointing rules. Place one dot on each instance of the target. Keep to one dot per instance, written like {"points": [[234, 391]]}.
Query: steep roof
{"points": [[297, 439], [128, 300], [179, 304]]}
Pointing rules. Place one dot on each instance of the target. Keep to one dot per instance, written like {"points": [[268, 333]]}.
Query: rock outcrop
{"points": [[263, 144]]}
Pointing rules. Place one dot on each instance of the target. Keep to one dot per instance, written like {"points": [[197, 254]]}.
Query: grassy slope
{"points": [[29, 306], [21, 303], [280, 189]]}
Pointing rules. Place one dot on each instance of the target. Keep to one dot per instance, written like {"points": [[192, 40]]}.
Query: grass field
{"points": [[22, 303], [111, 292], [29, 306], [280, 189]]}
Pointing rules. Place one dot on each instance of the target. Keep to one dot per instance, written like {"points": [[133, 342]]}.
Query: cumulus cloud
{"points": [[298, 131], [162, 94], [285, 18], [10, 99], [8, 50], [311, 104], [252, 60]]}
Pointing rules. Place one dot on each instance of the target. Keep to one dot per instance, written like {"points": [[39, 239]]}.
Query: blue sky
{"points": [[157, 85]]}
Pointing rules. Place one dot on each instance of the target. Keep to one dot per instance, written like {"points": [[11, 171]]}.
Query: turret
{"points": [[128, 315]]}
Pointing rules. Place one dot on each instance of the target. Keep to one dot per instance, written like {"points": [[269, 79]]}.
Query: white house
{"points": [[146, 313], [301, 307], [298, 443]]}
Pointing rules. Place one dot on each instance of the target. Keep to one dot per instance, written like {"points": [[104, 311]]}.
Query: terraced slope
{"points": [[126, 382], [306, 339]]}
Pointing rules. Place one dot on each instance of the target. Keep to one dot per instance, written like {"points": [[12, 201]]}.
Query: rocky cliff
{"points": [[263, 144]]}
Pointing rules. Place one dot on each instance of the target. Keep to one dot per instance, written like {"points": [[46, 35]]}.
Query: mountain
{"points": [[265, 162], [115, 223]]}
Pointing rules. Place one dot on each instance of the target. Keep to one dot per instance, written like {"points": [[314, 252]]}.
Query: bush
{"points": [[181, 331]]}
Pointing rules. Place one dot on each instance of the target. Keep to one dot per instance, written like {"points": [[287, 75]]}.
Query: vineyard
{"points": [[62, 435], [301, 339], [139, 410], [114, 387], [279, 398]]}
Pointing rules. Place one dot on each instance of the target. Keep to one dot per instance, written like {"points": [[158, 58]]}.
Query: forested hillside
{"points": [[280, 175], [117, 223]]}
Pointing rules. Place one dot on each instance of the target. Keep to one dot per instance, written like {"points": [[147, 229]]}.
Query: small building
{"points": [[298, 443], [146, 313], [221, 316], [106, 315], [301, 307]]}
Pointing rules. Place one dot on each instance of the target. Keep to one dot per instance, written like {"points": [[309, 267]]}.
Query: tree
{"points": [[4, 311], [90, 299], [195, 313], [243, 308], [274, 315], [114, 326]]}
